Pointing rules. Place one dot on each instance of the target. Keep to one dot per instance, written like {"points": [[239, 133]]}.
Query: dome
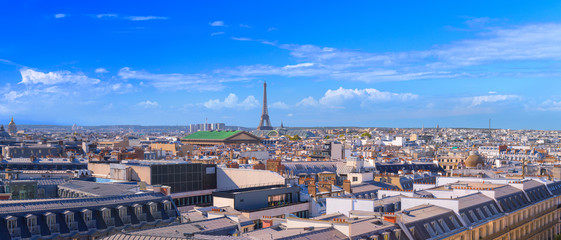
{"points": [[3, 133], [12, 129], [474, 161]]}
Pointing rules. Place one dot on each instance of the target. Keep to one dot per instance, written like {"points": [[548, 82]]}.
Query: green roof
{"points": [[214, 135]]}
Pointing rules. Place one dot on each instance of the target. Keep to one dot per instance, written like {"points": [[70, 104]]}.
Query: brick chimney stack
{"points": [[347, 186]]}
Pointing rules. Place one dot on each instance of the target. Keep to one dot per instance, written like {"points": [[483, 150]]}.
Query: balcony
{"points": [[34, 230], [157, 215], [55, 228], [90, 224], [126, 220], [73, 226], [110, 222], [16, 232], [141, 217]]}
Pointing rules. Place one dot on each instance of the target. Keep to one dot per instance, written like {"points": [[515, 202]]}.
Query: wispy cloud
{"points": [[279, 105], [242, 39], [145, 18], [101, 70], [60, 15], [148, 104], [217, 24], [232, 101], [216, 33], [478, 100], [30, 76], [131, 18], [245, 26], [106, 15], [177, 81]]}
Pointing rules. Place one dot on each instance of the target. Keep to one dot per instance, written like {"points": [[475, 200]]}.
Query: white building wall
{"points": [[234, 178]]}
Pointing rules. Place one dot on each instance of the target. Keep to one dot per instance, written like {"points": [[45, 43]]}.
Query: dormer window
{"points": [[12, 224], [69, 219], [122, 211], [106, 213], [153, 207], [87, 215], [51, 221], [31, 221], [167, 205], [137, 210]]}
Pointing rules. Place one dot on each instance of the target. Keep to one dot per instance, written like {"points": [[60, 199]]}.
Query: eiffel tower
{"points": [[265, 123]]}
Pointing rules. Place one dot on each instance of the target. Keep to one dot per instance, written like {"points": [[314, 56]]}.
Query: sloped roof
{"points": [[212, 135]]}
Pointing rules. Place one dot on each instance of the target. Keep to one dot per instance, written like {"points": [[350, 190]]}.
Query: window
{"points": [[106, 213], [69, 219], [122, 211], [486, 209], [87, 214], [444, 225], [51, 221], [430, 230], [153, 207], [31, 222], [453, 220], [12, 224], [138, 211], [436, 227], [355, 179]]}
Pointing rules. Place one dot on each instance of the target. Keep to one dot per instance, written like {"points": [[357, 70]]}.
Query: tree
{"points": [[366, 135]]}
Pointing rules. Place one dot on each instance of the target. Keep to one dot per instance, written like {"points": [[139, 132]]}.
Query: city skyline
{"points": [[366, 64]]}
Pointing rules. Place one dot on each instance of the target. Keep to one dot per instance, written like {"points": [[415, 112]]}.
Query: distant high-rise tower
{"points": [[265, 123]]}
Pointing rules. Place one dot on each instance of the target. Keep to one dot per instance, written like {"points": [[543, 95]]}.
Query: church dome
{"points": [[474, 161], [12, 129], [3, 133]]}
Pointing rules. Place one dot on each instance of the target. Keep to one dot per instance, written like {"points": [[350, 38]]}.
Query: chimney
{"points": [[347, 186], [312, 189]]}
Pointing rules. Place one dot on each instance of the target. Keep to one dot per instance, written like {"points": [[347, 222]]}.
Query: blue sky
{"points": [[367, 63]]}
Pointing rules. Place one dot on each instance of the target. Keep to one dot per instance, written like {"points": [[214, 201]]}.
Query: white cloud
{"points": [[279, 105], [339, 96], [145, 18], [177, 81], [106, 15], [148, 104], [131, 18], [478, 100], [121, 86], [299, 65], [232, 101], [242, 39], [272, 29], [60, 15], [30, 76], [216, 33], [307, 102], [336, 98], [492, 92], [14, 95], [245, 26], [217, 24], [290, 115], [101, 70]]}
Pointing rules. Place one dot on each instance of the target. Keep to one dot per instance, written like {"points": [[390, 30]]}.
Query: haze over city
{"points": [[366, 64]]}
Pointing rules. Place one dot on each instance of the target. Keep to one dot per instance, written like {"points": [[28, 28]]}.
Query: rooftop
{"points": [[212, 135]]}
